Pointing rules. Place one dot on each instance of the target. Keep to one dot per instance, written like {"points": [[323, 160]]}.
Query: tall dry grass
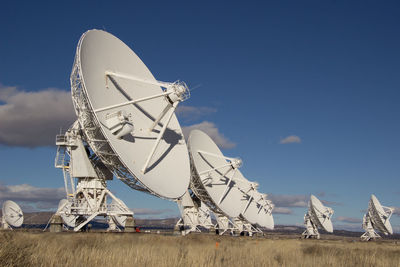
{"points": [[106, 249]]}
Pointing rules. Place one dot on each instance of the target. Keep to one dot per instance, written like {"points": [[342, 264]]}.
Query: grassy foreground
{"points": [[106, 249]]}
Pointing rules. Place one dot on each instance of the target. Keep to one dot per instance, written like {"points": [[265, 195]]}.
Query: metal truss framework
{"points": [[88, 198]]}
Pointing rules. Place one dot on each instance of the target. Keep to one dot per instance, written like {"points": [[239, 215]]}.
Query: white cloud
{"points": [[190, 113], [33, 118], [348, 219], [289, 200], [281, 210], [212, 130], [145, 211], [290, 139], [31, 197]]}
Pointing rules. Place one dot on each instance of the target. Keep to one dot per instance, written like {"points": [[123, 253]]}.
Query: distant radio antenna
{"points": [[12, 215], [318, 216], [217, 182], [377, 217]]}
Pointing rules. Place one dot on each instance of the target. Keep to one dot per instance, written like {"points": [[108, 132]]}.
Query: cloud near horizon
{"points": [[289, 201], [348, 219], [281, 210], [212, 130], [290, 139], [146, 211], [32, 119], [32, 198]]}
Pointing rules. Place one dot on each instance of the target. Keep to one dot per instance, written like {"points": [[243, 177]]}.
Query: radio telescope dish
{"points": [[377, 217], [12, 215], [127, 118], [217, 181], [63, 207], [214, 176], [318, 216]]}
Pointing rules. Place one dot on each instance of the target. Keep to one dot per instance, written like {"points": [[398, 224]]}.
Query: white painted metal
{"points": [[225, 225], [64, 208], [318, 216], [195, 215], [217, 181], [377, 217], [258, 208], [12, 215], [116, 212], [145, 148], [244, 227], [89, 197]]}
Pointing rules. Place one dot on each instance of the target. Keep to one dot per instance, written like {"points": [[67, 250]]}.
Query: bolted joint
{"points": [[236, 163]]}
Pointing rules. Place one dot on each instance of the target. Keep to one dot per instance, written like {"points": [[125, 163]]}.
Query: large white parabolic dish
{"points": [[208, 184], [168, 172], [319, 214], [12, 213], [378, 216]]}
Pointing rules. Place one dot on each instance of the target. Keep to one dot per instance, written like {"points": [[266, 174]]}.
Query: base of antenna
{"points": [[130, 225], [370, 236], [56, 224]]}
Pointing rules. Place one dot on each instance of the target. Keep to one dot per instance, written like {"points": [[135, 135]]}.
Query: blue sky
{"points": [[323, 71]]}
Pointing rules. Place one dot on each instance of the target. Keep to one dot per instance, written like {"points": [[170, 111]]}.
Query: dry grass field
{"points": [[18, 248]]}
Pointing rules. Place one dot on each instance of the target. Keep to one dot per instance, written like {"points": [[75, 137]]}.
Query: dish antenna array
{"points": [[217, 182], [12, 215], [317, 216], [126, 127], [377, 217]]}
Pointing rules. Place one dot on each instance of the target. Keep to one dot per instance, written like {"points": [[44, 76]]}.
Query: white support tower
{"points": [[85, 180], [245, 228], [370, 232], [195, 215], [225, 225]]}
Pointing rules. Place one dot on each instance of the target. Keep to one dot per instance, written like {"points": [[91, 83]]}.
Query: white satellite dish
{"points": [[318, 216], [12, 215], [126, 127], [126, 117], [217, 181], [377, 217], [64, 206]]}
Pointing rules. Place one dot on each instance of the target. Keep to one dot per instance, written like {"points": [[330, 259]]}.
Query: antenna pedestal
{"points": [[56, 224], [194, 215], [369, 230], [224, 225], [88, 199], [311, 229]]}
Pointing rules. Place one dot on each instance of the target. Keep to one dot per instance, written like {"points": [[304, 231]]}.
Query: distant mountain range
{"points": [[40, 219]]}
